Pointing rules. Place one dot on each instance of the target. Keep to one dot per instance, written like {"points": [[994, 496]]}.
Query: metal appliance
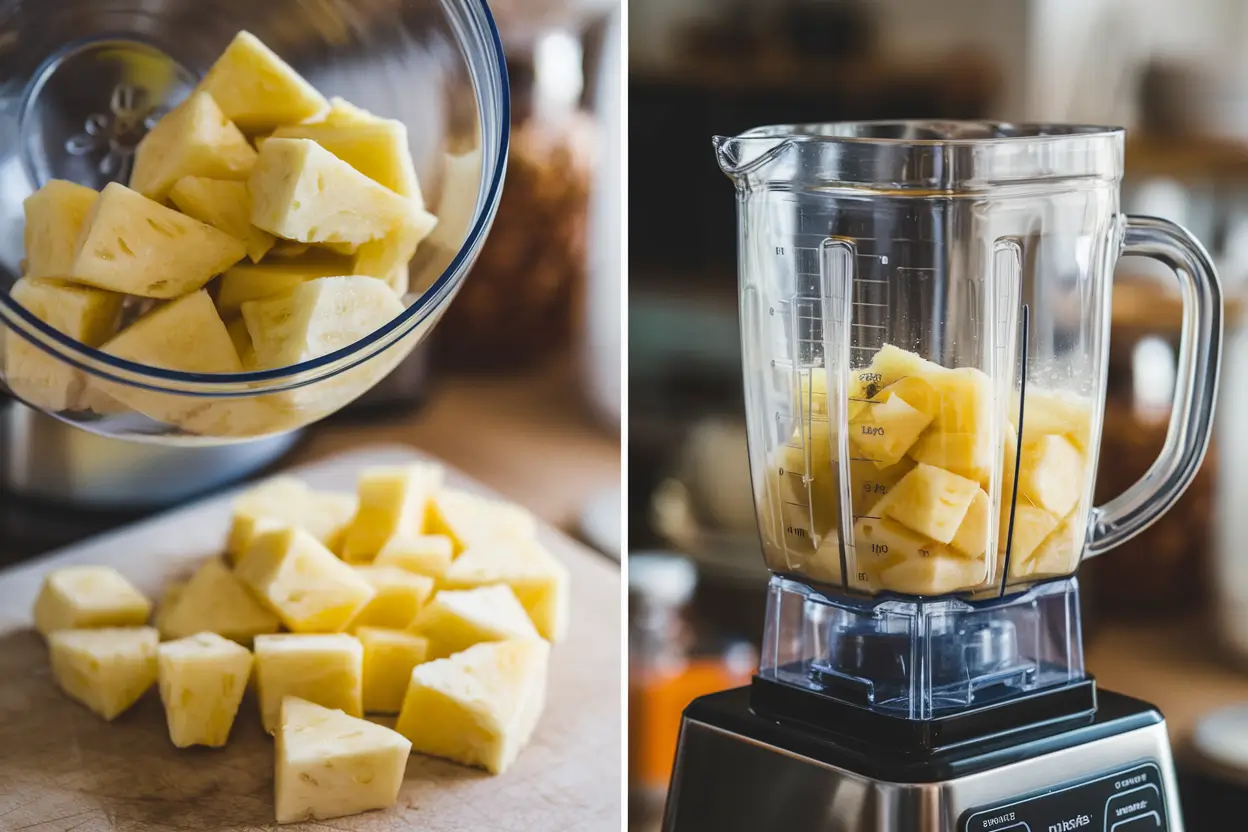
{"points": [[924, 312]]}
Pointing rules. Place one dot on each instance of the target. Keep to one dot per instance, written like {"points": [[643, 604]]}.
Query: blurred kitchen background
{"points": [[519, 386], [1166, 615]]}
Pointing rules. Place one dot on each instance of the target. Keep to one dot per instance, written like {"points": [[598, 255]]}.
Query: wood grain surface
{"points": [[62, 768]]}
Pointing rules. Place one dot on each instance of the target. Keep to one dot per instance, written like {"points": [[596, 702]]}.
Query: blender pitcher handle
{"points": [[1195, 387]]}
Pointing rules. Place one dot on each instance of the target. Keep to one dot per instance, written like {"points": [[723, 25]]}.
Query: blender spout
{"points": [[739, 156]]}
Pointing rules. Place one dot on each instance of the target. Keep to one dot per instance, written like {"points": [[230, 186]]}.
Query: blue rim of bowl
{"points": [[428, 302]]}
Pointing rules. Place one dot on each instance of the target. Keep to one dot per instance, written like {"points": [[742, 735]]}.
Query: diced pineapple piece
{"points": [[300, 580], [289, 248], [881, 543], [343, 113], [1058, 412], [330, 764], [79, 597], [469, 519], [139, 247], [938, 574], [378, 149], [168, 601], [257, 90], [225, 205], [55, 217], [89, 316], [393, 501], [1058, 555], [931, 501], [327, 669], [1031, 525], [457, 619], [400, 595], [883, 431], [390, 255], [389, 656], [964, 454], [971, 539], [245, 282], [870, 484], [301, 191], [424, 554], [286, 501], [1051, 473], [918, 391], [237, 329], [891, 363], [202, 681], [479, 707], [960, 439], [540, 582], [108, 669], [194, 139], [216, 601]]}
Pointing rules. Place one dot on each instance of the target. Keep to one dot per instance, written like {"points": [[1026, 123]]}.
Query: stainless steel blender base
{"points": [[737, 772]]}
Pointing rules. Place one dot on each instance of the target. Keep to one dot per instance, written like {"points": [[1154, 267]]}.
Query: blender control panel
{"points": [[1131, 800]]}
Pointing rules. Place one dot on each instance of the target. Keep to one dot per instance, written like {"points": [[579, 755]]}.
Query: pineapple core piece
{"points": [[331, 764], [89, 316], [378, 149], [224, 205], [108, 669], [55, 217], [301, 191], [325, 669], [930, 501], [202, 681], [393, 501], [400, 595], [139, 247], [478, 707], [82, 597], [194, 139], [257, 90], [468, 519], [295, 576], [245, 281], [1050, 473], [457, 619], [286, 501], [424, 554], [389, 656], [540, 582], [216, 601]]}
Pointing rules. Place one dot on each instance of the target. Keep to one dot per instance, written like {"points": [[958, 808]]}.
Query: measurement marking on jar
{"points": [[870, 280], [871, 326]]}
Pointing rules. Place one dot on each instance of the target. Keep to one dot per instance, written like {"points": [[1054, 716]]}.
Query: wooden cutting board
{"points": [[63, 768]]}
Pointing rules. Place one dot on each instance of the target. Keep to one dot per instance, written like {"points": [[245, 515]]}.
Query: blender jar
{"points": [[925, 323], [82, 82]]}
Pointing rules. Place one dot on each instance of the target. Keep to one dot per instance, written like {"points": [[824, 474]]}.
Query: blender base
{"points": [[736, 771]]}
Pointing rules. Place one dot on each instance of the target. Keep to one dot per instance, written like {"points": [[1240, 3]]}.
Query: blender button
{"points": [[1139, 823]]}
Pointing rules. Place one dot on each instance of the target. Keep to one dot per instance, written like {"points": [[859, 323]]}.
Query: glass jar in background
{"points": [[524, 299], [670, 665]]}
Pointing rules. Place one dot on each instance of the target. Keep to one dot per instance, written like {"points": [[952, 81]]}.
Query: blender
{"points": [[924, 312]]}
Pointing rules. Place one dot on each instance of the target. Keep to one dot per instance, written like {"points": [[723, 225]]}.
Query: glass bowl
{"points": [[82, 80]]}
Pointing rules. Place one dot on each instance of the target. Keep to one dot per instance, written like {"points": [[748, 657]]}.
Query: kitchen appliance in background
{"points": [[912, 366]]}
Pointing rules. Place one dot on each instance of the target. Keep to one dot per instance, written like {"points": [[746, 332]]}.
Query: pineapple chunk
{"points": [[424, 554], [295, 576], [168, 601], [389, 656], [971, 539], [892, 363], [237, 329], [343, 113], [931, 501], [245, 282], [1057, 555], [194, 139], [78, 597], [393, 501], [139, 247], [400, 595], [1051, 473], [330, 764], [108, 669], [327, 669], [301, 191], [918, 391], [289, 248], [479, 707], [285, 501], [540, 582], [870, 485], [89, 316], [457, 619], [881, 543], [883, 431], [202, 681], [468, 519], [224, 205], [55, 217], [1055, 411], [1031, 526], [935, 575], [216, 601], [378, 149], [960, 439], [257, 90], [389, 256]]}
